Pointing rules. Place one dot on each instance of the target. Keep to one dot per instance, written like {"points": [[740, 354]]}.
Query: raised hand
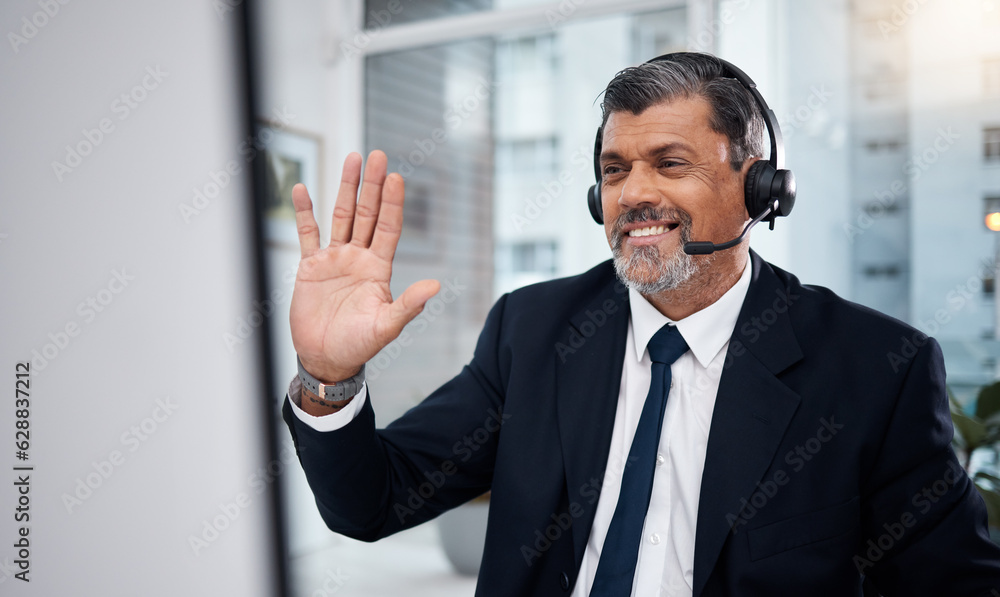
{"points": [[342, 312]]}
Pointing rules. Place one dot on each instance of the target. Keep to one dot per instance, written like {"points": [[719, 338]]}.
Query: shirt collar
{"points": [[705, 332]]}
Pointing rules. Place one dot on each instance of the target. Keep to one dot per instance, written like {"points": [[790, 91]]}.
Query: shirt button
{"points": [[654, 539], [660, 459]]}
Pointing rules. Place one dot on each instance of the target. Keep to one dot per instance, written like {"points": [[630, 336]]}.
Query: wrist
{"points": [[316, 406], [332, 393], [326, 373]]}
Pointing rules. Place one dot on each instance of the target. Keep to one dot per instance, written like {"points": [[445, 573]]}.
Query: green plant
{"points": [[980, 430]]}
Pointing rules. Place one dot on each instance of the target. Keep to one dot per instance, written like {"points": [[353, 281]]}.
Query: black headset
{"points": [[769, 190]]}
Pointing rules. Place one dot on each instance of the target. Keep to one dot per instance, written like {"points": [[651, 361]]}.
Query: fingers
{"points": [[305, 222], [390, 218], [366, 211], [411, 303], [376, 218], [347, 197]]}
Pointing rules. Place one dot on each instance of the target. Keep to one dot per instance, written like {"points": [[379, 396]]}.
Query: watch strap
{"points": [[331, 392]]}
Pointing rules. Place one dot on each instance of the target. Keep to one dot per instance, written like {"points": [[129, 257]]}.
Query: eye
{"points": [[611, 170]]}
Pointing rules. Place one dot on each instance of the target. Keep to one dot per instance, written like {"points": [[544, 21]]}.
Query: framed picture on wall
{"points": [[290, 156]]}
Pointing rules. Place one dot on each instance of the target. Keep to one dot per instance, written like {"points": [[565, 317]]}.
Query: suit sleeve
{"points": [[924, 523], [371, 483]]}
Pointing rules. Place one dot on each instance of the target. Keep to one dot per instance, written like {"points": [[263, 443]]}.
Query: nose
{"points": [[639, 189]]}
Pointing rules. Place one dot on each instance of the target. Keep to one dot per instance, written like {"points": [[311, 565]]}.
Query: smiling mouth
{"points": [[651, 230]]}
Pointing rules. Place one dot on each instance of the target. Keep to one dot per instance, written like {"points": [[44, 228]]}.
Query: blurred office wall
{"points": [[127, 282]]}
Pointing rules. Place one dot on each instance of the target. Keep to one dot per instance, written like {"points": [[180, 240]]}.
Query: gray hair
{"points": [[735, 113]]}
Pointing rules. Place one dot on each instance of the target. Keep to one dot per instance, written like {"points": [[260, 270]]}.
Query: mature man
{"points": [[714, 429]]}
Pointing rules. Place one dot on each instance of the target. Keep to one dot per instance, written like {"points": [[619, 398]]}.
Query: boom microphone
{"points": [[707, 248]]}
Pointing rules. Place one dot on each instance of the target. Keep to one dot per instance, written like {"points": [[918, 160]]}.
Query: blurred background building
{"points": [[890, 112]]}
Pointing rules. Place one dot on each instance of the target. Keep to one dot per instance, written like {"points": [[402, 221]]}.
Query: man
{"points": [[791, 456]]}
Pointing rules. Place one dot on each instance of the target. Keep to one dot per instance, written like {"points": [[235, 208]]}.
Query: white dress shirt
{"points": [[666, 554]]}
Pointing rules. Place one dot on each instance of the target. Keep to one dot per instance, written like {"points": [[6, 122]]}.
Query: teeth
{"points": [[647, 231]]}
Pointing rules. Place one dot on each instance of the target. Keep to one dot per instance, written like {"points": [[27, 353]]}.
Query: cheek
{"points": [[610, 211], [714, 218]]}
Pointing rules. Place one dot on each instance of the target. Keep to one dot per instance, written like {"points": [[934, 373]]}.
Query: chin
{"points": [[648, 271]]}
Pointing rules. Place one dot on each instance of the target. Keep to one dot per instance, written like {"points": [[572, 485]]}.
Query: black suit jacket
{"points": [[828, 458]]}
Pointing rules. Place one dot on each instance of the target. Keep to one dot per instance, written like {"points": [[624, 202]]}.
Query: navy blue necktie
{"points": [[621, 547]]}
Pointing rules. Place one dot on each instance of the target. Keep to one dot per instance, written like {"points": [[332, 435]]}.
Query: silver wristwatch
{"points": [[331, 392]]}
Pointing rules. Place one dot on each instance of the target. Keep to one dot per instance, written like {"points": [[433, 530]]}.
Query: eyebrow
{"points": [[610, 156]]}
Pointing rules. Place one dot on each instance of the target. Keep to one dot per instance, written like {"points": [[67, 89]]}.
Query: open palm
{"points": [[342, 311]]}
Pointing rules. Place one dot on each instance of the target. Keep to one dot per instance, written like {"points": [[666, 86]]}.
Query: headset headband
{"points": [[730, 70]]}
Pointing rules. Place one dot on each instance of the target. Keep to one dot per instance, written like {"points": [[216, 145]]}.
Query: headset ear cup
{"points": [[783, 187], [756, 194], [594, 203]]}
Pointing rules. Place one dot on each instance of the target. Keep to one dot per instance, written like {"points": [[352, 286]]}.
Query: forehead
{"points": [[683, 119]]}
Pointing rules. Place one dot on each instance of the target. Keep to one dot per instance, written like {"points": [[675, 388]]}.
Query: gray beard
{"points": [[646, 270]]}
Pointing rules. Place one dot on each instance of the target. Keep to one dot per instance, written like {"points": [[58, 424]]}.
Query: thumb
{"points": [[411, 302]]}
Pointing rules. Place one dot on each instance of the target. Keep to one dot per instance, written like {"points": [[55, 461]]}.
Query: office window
{"points": [[882, 81], [537, 257], [880, 208], [386, 13], [527, 55], [890, 270], [991, 212], [526, 262], [527, 157], [883, 145], [991, 144], [991, 78]]}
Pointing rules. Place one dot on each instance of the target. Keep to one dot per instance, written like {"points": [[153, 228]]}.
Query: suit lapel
{"points": [[588, 364], [752, 410]]}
